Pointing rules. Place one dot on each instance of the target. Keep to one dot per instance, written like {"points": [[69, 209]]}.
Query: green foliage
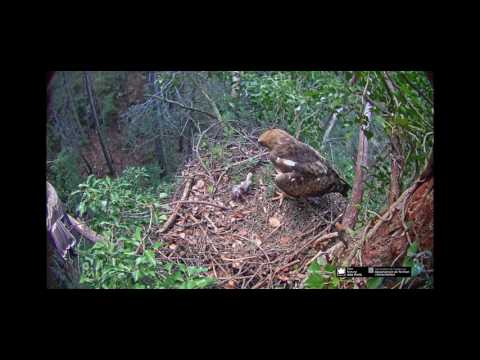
{"points": [[217, 151], [322, 275], [306, 99], [110, 265], [119, 210], [64, 174]]}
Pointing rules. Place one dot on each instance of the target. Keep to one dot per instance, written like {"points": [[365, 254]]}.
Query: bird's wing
{"points": [[301, 158]]}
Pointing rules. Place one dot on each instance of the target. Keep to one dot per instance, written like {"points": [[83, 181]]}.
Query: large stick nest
{"points": [[248, 243]]}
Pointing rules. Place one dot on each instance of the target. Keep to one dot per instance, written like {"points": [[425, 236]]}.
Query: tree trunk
{"points": [[87, 164], [397, 163], [408, 219], [160, 140], [97, 124], [73, 109], [351, 213], [74, 112]]}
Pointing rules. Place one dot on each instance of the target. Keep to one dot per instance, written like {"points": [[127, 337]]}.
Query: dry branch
{"points": [[183, 106], [84, 230], [200, 203], [174, 214]]}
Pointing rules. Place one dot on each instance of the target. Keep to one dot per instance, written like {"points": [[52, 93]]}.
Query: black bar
{"points": [[375, 271]]}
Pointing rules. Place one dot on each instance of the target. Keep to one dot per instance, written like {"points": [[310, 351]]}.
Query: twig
{"points": [[183, 106], [238, 259], [321, 252], [190, 225], [285, 266], [235, 164], [357, 246], [211, 223], [200, 203], [325, 237], [274, 230], [149, 225]]}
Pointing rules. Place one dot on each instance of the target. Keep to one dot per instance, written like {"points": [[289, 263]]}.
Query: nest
{"points": [[250, 242]]}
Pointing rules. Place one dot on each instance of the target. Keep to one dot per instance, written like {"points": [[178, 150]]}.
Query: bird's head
{"points": [[274, 137]]}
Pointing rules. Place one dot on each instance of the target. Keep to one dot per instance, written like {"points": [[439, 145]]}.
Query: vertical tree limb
{"points": [[97, 124], [74, 111], [331, 124], [160, 140], [397, 164], [361, 165]]}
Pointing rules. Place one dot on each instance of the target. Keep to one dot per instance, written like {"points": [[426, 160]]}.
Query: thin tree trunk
{"points": [[397, 163], [331, 124], [97, 124], [351, 213], [72, 106], [160, 140], [87, 164], [397, 155], [77, 118], [354, 79]]}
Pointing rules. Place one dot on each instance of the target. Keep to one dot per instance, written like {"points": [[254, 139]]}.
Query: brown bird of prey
{"points": [[301, 171]]}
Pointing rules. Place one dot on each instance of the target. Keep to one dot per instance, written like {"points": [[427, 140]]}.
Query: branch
{"points": [[174, 214], [183, 106], [199, 202], [84, 230]]}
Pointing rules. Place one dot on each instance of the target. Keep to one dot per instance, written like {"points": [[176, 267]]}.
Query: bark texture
{"points": [[408, 219]]}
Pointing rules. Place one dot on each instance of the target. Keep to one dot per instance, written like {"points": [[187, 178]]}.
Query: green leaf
{"points": [[330, 268], [412, 249], [135, 275], [138, 233], [81, 208], [314, 267], [374, 283], [403, 122], [335, 282], [315, 281], [368, 134], [168, 267]]}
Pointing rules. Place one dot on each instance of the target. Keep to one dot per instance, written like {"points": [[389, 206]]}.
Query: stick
{"points": [[325, 237], [84, 230], [200, 202], [174, 214]]}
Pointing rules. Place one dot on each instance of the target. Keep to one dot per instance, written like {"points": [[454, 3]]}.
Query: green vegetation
{"points": [[121, 210], [306, 101], [322, 275]]}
